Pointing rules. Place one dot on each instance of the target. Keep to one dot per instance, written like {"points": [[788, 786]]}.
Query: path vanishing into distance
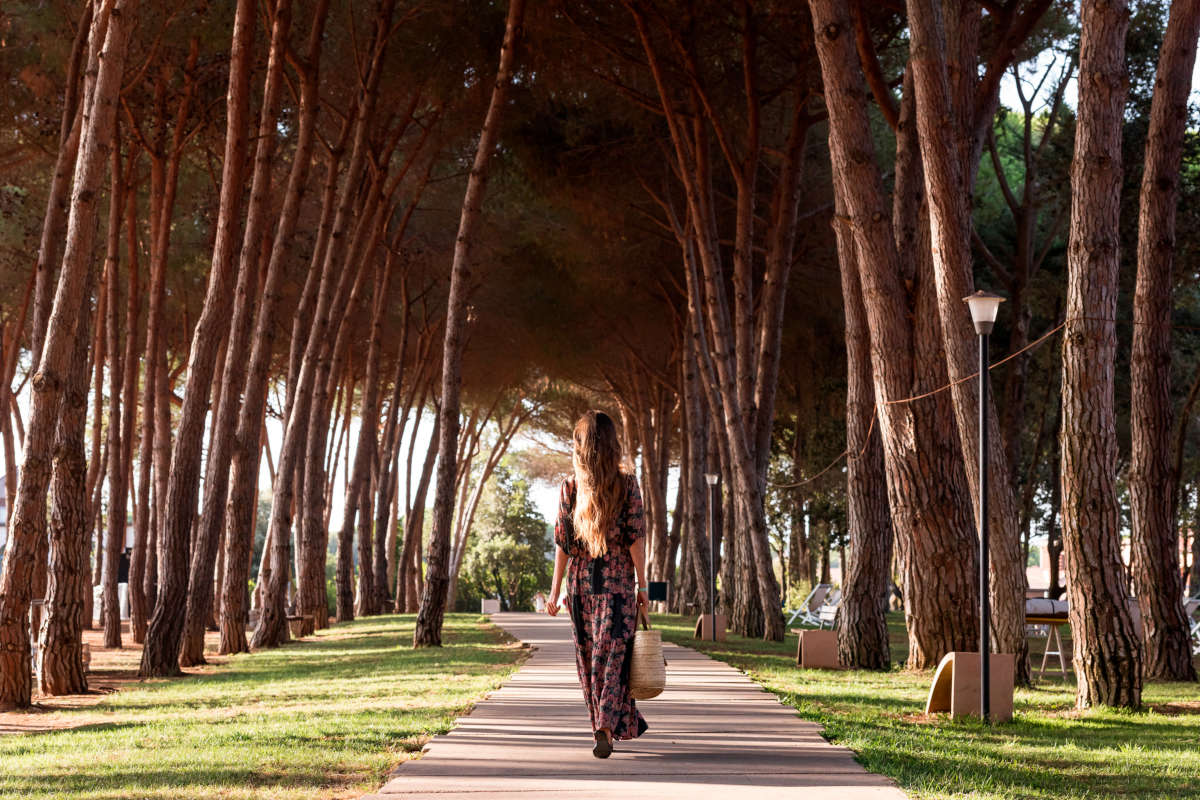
{"points": [[713, 733]]}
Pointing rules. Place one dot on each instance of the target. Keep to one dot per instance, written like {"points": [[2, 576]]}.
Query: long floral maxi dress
{"points": [[604, 612]]}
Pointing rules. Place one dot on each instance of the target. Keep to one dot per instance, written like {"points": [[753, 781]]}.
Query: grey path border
{"points": [[713, 733]]}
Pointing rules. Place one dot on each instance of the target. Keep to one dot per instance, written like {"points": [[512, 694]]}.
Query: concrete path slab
{"points": [[713, 732]]}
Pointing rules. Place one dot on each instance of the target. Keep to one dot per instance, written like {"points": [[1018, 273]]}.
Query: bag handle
{"points": [[644, 618]]}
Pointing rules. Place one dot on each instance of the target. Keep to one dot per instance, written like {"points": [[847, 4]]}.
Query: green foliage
{"points": [[509, 551]]}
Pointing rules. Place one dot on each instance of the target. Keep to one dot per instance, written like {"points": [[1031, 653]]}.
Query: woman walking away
{"points": [[600, 529]]}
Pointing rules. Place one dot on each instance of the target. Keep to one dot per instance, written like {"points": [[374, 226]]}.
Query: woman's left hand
{"points": [[642, 601]]}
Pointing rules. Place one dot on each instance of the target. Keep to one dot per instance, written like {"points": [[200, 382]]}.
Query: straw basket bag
{"points": [[648, 671]]}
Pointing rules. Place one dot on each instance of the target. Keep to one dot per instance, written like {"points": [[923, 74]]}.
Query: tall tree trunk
{"points": [[861, 621], [331, 296], [929, 515], [943, 143], [160, 656], [319, 479], [428, 631], [114, 542], [1152, 480], [58, 198], [414, 524], [364, 455], [60, 651], [128, 419], [242, 504], [115, 19], [1108, 654], [385, 505], [696, 489], [140, 599], [384, 510], [226, 412]]}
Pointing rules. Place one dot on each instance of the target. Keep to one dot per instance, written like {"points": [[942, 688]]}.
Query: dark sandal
{"points": [[603, 748]]}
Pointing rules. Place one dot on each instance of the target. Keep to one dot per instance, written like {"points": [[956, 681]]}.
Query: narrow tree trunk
{"points": [[58, 199], [29, 512], [697, 491], [428, 631], [414, 524], [364, 455], [1108, 654], [242, 505], [206, 548], [130, 361], [385, 505], [160, 656], [385, 501], [272, 628], [114, 542], [1152, 480]]}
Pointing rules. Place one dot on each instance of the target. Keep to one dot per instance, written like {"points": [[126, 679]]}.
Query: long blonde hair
{"points": [[598, 480]]}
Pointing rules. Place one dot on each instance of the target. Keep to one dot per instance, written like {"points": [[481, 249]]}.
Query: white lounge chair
{"points": [[1190, 607], [807, 613], [828, 615]]}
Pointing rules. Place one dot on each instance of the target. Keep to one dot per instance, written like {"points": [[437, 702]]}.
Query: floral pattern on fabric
{"points": [[613, 571], [603, 611]]}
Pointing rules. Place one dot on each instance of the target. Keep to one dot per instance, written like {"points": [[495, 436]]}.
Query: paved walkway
{"points": [[713, 733]]}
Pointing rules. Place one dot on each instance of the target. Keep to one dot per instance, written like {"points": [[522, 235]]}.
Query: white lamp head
{"points": [[712, 478], [984, 306]]}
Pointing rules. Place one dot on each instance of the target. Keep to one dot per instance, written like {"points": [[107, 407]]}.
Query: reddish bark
{"points": [[160, 656], [1152, 480], [60, 652], [428, 631], [29, 512], [1108, 654]]}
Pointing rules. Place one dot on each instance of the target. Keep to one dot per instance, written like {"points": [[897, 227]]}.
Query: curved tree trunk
{"points": [[332, 294], [160, 656], [428, 630], [1108, 654], [242, 503]]}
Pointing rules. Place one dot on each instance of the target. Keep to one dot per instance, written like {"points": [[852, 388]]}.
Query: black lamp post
{"points": [[713, 481], [984, 306]]}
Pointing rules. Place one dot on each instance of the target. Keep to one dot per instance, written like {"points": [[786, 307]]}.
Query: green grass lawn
{"points": [[324, 718], [1048, 751]]}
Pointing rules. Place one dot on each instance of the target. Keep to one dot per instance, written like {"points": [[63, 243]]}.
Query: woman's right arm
{"points": [[560, 566], [564, 532]]}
